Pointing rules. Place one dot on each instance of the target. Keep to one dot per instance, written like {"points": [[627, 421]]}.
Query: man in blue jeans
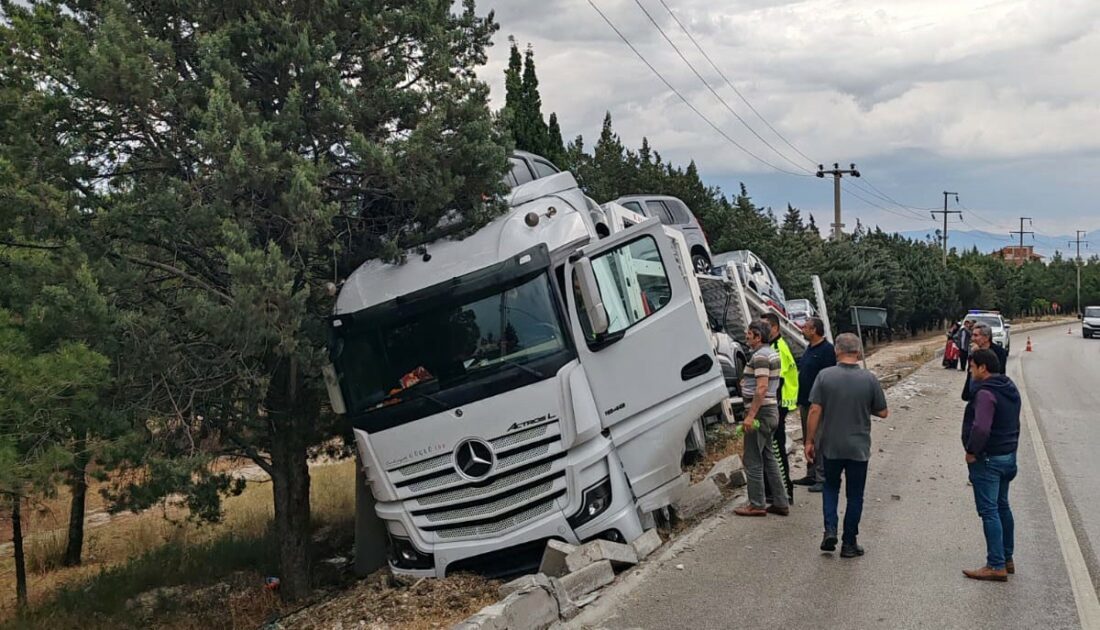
{"points": [[990, 434], [842, 401]]}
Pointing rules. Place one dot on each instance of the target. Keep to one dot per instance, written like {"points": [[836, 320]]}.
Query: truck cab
{"points": [[532, 381]]}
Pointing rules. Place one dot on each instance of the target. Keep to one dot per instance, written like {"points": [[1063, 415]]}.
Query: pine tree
{"points": [[513, 90], [531, 131], [555, 148], [605, 181], [223, 170]]}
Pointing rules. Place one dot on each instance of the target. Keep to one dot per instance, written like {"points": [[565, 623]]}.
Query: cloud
{"points": [[965, 82]]}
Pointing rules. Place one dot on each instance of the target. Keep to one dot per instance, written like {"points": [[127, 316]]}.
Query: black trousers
{"points": [[779, 444]]}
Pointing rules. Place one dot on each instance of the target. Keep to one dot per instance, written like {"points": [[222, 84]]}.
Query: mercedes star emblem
{"points": [[474, 459]]}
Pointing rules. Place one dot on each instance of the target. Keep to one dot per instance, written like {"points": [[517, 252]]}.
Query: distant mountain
{"points": [[990, 241]]}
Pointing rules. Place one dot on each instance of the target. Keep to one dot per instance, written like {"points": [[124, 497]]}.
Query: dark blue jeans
{"points": [[990, 476], [855, 480]]}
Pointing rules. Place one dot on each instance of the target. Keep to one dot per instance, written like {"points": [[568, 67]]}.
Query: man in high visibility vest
{"points": [[788, 399]]}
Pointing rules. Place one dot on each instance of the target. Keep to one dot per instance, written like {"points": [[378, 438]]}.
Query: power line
{"points": [[687, 102], [971, 211], [984, 235], [883, 208], [730, 83], [711, 88], [878, 193]]}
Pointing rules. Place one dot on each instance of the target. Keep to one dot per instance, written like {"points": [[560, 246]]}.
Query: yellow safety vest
{"points": [[788, 371]]}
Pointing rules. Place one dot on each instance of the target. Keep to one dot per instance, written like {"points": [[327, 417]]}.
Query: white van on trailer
{"points": [[526, 383]]}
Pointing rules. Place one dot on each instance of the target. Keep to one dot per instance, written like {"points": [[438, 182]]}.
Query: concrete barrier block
{"points": [[739, 479], [553, 558], [536, 609], [697, 498], [647, 543], [723, 470], [620, 555], [588, 579]]}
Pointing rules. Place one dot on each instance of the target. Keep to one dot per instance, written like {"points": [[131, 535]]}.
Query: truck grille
{"points": [[502, 525], [528, 478]]}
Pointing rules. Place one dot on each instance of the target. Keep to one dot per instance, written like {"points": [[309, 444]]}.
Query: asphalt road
{"points": [[920, 527], [1063, 380]]}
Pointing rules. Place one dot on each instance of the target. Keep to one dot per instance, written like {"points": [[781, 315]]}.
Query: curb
{"points": [[540, 601]]}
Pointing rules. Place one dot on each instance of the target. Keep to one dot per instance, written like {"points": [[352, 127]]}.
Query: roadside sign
{"points": [[868, 317]]}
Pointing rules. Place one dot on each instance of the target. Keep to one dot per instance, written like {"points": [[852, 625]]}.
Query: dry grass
{"points": [[399, 606], [136, 553], [721, 443]]}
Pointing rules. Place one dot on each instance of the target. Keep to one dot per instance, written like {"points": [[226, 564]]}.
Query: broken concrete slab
{"points": [[524, 583], [537, 609], [739, 479], [697, 498], [647, 543], [620, 555], [588, 579], [553, 558], [724, 469]]}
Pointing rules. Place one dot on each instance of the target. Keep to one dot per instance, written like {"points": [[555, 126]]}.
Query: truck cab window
{"points": [[633, 283]]}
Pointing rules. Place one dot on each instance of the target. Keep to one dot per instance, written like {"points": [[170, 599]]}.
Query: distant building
{"points": [[1018, 255]]}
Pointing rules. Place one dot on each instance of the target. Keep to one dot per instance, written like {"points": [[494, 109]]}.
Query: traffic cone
{"points": [[1069, 330], [1028, 349]]}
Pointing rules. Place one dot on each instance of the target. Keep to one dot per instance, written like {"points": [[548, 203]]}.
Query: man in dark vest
{"points": [[990, 435]]}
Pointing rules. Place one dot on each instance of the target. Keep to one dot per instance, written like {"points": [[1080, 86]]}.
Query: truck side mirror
{"points": [[332, 384], [591, 301]]}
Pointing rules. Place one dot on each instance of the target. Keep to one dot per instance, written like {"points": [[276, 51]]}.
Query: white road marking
{"points": [[1088, 606]]}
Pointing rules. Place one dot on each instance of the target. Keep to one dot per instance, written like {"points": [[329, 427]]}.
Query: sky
{"points": [[996, 100]]}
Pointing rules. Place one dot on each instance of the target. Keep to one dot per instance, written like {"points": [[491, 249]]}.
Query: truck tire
{"points": [[695, 444]]}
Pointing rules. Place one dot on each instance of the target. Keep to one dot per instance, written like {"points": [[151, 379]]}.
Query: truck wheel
{"points": [[695, 444]]}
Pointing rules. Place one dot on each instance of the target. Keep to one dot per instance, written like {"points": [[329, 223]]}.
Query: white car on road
{"points": [[1090, 322]]}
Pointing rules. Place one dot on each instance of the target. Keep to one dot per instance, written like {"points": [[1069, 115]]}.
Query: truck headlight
{"points": [[596, 500], [405, 556]]}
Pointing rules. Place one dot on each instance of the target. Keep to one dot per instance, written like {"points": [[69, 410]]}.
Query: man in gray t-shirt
{"points": [[842, 401]]}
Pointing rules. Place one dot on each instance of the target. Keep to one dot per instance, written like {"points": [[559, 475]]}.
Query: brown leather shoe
{"points": [[1010, 567], [987, 574], [781, 511], [748, 510]]}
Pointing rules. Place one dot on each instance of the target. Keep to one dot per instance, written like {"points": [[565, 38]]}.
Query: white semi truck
{"points": [[539, 379]]}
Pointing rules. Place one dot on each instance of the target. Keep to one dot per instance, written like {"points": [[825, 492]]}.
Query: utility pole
{"points": [[1021, 232], [1078, 242], [837, 173], [945, 212]]}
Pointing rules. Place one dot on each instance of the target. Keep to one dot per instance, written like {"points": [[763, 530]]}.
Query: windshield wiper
{"points": [[529, 370], [438, 403]]}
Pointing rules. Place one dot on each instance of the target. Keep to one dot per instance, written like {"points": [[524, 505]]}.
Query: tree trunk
{"points": [[20, 559], [78, 483], [290, 483]]}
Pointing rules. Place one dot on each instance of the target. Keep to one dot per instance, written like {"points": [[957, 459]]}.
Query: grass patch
{"points": [[135, 554], [45, 553]]}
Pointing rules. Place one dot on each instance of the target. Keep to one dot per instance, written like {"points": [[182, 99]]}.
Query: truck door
{"points": [[654, 372]]}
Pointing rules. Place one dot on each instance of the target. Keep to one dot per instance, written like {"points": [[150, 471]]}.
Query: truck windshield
{"points": [[437, 357], [1092, 311]]}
